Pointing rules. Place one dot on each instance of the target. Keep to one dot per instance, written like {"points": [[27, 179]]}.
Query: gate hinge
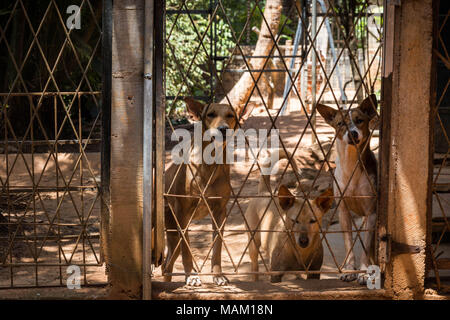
{"points": [[394, 2], [396, 248]]}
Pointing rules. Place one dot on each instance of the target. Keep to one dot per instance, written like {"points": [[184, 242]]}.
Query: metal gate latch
{"points": [[400, 248]]}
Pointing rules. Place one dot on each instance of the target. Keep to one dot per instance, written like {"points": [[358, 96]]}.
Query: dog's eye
{"points": [[359, 121], [211, 115], [312, 221], [230, 116], [340, 123]]}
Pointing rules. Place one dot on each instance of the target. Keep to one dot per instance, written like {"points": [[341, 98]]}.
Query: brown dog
{"points": [[189, 187], [353, 143]]}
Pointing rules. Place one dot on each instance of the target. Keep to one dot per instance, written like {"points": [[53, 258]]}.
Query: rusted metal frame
{"points": [[290, 159], [59, 142], [55, 82], [256, 86], [221, 84], [43, 264], [69, 40], [292, 272], [193, 59], [159, 131], [105, 154], [357, 89], [447, 224], [382, 253], [33, 200], [20, 76], [433, 114], [13, 11], [333, 142], [256, 230], [64, 93], [83, 231], [333, 93], [180, 69], [7, 122], [58, 208], [201, 43], [240, 197], [444, 160], [66, 190], [182, 232], [273, 121], [273, 124], [351, 56], [147, 185], [66, 237], [3, 35], [93, 14], [81, 190]]}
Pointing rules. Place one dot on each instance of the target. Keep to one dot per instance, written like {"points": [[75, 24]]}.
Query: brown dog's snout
{"points": [[223, 130], [353, 136], [303, 240]]}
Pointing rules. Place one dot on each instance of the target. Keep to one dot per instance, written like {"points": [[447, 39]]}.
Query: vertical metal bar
{"points": [[313, 68], [148, 150], [30, 100], [106, 127], [383, 254], [80, 135], [160, 106], [58, 215], [431, 261]]}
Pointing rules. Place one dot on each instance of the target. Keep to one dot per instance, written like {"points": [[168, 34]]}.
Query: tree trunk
{"points": [[242, 90]]}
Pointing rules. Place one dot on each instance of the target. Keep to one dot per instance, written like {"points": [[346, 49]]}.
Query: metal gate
{"points": [[438, 240], [326, 52], [53, 165]]}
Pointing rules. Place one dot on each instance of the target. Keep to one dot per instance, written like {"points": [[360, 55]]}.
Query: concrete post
{"points": [[410, 144], [126, 148]]}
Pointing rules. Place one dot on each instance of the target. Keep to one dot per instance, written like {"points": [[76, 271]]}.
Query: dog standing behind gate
{"points": [[186, 185], [353, 151]]}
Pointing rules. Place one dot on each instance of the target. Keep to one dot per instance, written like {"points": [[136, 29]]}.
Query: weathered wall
{"points": [[409, 162], [126, 148]]}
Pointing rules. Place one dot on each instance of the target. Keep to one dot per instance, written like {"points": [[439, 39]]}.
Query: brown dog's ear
{"points": [[247, 112], [194, 108], [325, 200], [285, 198], [328, 113], [369, 106]]}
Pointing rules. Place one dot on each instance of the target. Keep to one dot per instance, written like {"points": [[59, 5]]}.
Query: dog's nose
{"points": [[354, 135], [303, 241], [223, 130]]}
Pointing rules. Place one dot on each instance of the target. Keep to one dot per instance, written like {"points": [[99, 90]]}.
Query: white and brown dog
{"points": [[353, 151]]}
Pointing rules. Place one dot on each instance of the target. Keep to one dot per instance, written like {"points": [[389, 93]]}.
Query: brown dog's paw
{"points": [[348, 277], [220, 280], [193, 281], [362, 278]]}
